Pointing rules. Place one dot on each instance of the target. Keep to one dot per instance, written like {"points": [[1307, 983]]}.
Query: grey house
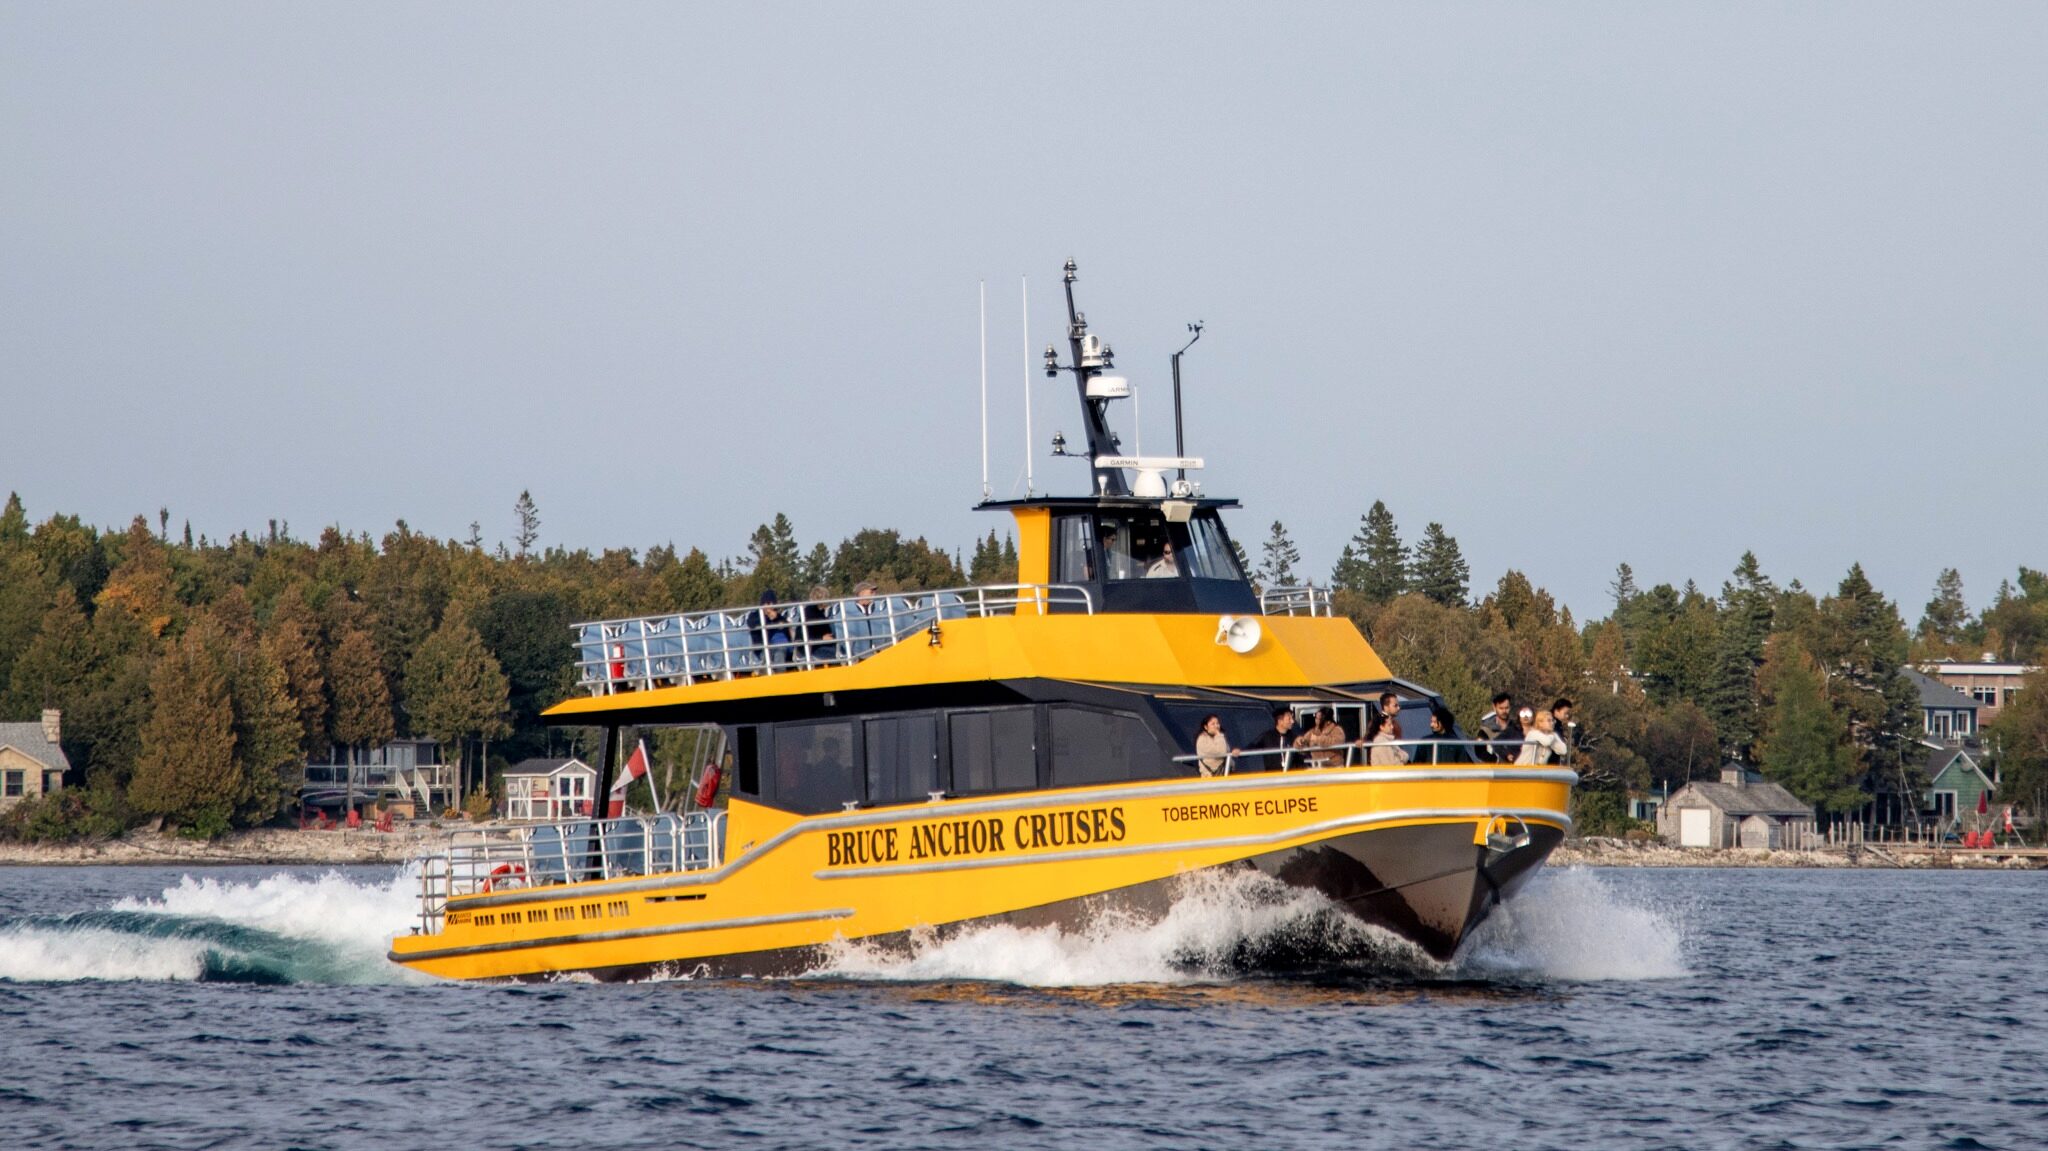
{"points": [[1945, 713], [1743, 810]]}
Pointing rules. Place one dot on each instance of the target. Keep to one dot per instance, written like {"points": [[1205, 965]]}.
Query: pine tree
{"points": [[1386, 558], [1946, 615], [358, 697], [267, 734], [1440, 569], [692, 585], [454, 687], [1864, 644], [776, 561], [292, 642], [1276, 570], [1747, 604], [987, 565], [1009, 571], [817, 567], [1803, 745], [53, 668], [529, 523], [1623, 589], [186, 771]]}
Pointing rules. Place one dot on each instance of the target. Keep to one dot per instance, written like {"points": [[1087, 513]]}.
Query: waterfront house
{"points": [[1945, 713], [1742, 810], [1987, 681], [403, 774], [1955, 781], [548, 789], [32, 762]]}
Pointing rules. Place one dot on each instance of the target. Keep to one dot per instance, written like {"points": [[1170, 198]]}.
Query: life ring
{"points": [[510, 873]]}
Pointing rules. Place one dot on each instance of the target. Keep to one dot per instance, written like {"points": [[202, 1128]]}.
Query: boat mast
{"points": [[1091, 358]]}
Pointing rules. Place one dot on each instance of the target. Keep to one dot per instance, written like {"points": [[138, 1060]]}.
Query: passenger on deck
{"points": [[1323, 735], [1500, 726], [1566, 729], [1447, 748], [866, 622], [1386, 746], [818, 633], [1280, 737], [1389, 704], [1540, 744], [1212, 745], [769, 625]]}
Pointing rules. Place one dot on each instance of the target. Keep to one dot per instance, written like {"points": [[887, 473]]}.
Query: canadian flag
{"points": [[636, 768]]}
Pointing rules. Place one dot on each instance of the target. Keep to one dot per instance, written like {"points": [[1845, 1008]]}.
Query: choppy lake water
{"points": [[252, 1008]]}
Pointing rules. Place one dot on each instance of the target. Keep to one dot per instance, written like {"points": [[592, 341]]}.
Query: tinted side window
{"points": [[1208, 552], [902, 758], [747, 761], [814, 766], [1099, 747], [1073, 541], [994, 750]]}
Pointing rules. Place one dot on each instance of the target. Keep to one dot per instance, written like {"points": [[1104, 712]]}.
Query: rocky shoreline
{"points": [[292, 848]]}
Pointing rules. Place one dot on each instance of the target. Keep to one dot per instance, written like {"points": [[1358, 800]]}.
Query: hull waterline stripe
{"points": [[609, 936], [1306, 777], [1314, 829]]}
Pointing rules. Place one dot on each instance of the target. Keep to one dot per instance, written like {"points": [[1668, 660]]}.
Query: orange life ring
{"points": [[509, 872]]}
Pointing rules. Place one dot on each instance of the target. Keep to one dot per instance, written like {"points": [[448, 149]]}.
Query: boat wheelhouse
{"points": [[922, 760]]}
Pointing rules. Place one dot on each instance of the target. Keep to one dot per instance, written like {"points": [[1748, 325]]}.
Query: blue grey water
{"points": [[250, 1008]]}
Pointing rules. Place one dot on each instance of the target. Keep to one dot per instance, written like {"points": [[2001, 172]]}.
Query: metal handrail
{"points": [[645, 652], [1358, 752], [567, 851], [1309, 600]]}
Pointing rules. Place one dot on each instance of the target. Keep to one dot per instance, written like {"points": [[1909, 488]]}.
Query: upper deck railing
{"points": [[646, 652], [1310, 600]]}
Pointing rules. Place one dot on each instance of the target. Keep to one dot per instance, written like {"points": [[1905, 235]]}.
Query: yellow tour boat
{"points": [[901, 764]]}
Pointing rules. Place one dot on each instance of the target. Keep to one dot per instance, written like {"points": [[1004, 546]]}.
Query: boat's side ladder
{"points": [[494, 860]]}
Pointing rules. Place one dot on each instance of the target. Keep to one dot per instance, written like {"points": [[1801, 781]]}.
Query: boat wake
{"points": [[1230, 925], [284, 929]]}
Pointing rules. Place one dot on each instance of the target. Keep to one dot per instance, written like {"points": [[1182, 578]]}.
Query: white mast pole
{"points": [[1024, 288], [984, 390]]}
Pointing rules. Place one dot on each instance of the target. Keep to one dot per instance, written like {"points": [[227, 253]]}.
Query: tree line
{"points": [[196, 675]]}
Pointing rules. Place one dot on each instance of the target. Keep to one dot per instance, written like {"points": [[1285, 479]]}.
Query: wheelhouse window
{"points": [[994, 750], [1207, 553], [814, 768], [1074, 561]]}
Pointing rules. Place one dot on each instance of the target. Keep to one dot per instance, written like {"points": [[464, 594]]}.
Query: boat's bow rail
{"points": [[572, 851], [1309, 600], [645, 652]]}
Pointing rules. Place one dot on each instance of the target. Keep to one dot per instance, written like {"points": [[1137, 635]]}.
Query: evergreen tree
{"points": [[2020, 737], [691, 584], [1386, 558], [1864, 645], [292, 642], [1946, 615], [1747, 603], [776, 561], [1276, 570], [1009, 572], [455, 688], [817, 567], [13, 520], [53, 667], [1440, 569], [528, 632], [987, 565], [26, 591], [1803, 745], [1623, 589], [529, 523], [187, 769], [267, 731], [359, 699]]}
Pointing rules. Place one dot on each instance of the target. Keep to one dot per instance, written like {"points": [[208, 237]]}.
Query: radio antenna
{"points": [[1024, 289], [1180, 448], [984, 392]]}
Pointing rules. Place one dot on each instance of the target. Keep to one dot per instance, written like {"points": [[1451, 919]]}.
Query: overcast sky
{"points": [[1586, 283]]}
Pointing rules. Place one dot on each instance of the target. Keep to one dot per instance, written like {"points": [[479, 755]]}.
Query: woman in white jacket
{"points": [[1385, 745], [1540, 742]]}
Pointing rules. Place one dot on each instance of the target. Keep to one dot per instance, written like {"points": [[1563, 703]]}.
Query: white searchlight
{"points": [[1240, 633]]}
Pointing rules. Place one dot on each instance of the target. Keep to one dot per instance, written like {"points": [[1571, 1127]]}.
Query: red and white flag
{"points": [[636, 768], [2008, 819]]}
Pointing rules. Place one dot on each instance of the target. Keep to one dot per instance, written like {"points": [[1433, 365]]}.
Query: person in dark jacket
{"points": [[769, 625], [818, 633], [1501, 727], [1449, 749], [1280, 737]]}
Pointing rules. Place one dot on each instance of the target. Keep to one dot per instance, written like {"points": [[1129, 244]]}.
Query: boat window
{"points": [[994, 750], [1100, 747], [902, 758], [1208, 554], [747, 761], [1075, 561], [814, 766]]}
